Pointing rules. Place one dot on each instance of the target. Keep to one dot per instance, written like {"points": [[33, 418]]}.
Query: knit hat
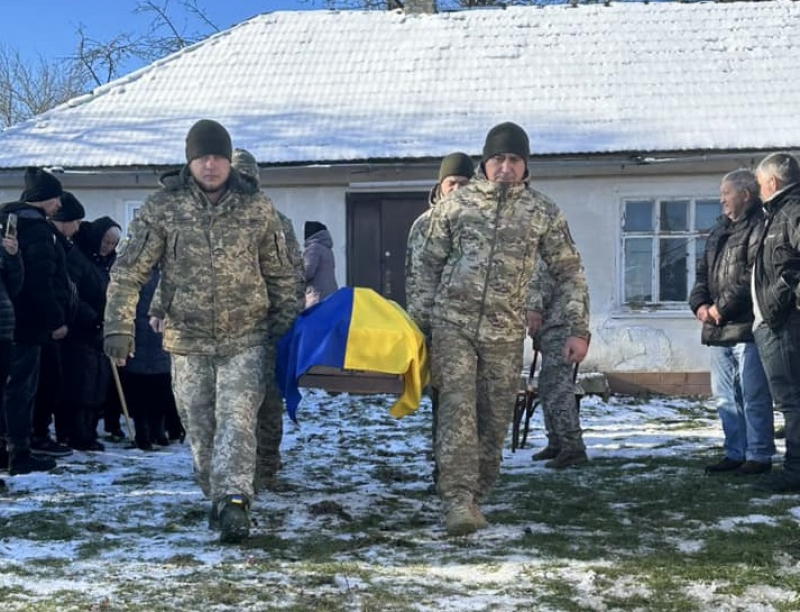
{"points": [[40, 186], [245, 163], [207, 137], [456, 164], [71, 209], [506, 138], [311, 228]]}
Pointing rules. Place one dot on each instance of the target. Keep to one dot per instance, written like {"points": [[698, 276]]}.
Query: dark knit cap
{"points": [[456, 164], [506, 138], [71, 209], [40, 186], [207, 137], [311, 228]]}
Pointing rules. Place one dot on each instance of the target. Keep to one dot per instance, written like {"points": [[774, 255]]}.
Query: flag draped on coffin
{"points": [[354, 328]]}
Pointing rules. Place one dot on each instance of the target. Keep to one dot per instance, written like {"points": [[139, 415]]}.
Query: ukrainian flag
{"points": [[354, 328]]}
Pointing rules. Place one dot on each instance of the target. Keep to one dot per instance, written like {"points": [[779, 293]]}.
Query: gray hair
{"points": [[743, 179], [782, 166]]}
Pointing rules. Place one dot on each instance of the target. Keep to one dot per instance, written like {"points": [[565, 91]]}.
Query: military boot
{"points": [[548, 452], [234, 522], [460, 520], [567, 459]]}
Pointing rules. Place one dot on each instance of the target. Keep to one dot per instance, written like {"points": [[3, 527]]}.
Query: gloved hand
{"points": [[118, 346]]}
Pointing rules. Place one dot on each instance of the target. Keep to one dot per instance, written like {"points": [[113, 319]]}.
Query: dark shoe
{"points": [[144, 445], [234, 523], [3, 486], [25, 463], [752, 468], [548, 452], [88, 445], [778, 482], [162, 441], [566, 459], [726, 465], [47, 446]]}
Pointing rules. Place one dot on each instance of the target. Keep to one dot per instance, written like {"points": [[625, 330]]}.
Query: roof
{"points": [[331, 86]]}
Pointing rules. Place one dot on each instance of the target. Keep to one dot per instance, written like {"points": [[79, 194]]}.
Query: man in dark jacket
{"points": [[721, 301], [40, 310], [776, 283]]}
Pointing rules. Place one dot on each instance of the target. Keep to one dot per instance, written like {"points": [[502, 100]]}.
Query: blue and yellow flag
{"points": [[354, 328]]}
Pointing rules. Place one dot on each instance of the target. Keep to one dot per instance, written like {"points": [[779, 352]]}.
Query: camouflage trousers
{"points": [[477, 383], [269, 429], [556, 392], [218, 398]]}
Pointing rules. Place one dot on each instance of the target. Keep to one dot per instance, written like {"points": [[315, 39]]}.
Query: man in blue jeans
{"points": [[776, 282], [721, 301]]}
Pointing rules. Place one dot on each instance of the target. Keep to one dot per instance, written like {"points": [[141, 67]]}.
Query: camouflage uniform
{"points": [[416, 240], [226, 282], [556, 388], [472, 290], [269, 428]]}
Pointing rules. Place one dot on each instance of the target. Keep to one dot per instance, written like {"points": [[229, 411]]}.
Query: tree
{"points": [[28, 88]]}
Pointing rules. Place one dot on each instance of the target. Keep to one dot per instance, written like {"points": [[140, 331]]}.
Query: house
{"points": [[635, 112]]}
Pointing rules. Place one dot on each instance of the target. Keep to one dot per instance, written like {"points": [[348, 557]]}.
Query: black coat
{"points": [[777, 267], [11, 273], [87, 371], [42, 305], [723, 277]]}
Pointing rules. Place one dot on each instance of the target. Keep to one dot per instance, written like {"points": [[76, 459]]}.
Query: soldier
{"points": [[455, 171], [269, 430], [556, 386], [226, 283], [472, 294]]}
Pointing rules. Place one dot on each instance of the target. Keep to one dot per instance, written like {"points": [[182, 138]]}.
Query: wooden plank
{"points": [[351, 381]]}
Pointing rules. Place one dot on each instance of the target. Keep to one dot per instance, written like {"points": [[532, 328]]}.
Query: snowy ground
{"points": [[355, 528]]}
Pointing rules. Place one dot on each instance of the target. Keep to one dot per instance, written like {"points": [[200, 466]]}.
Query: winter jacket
{"points": [[319, 267], [11, 279], [90, 272], [226, 277], [723, 277], [776, 272], [416, 239], [42, 305], [296, 255], [149, 356], [478, 261]]}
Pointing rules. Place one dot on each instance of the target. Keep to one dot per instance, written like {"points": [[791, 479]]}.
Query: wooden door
{"points": [[377, 230]]}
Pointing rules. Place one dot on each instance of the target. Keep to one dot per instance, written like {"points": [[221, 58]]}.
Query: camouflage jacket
{"points": [[416, 239], [226, 276], [296, 257], [478, 261]]}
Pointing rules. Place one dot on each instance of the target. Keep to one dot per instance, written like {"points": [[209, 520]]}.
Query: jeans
{"points": [[780, 354], [744, 403], [19, 396]]}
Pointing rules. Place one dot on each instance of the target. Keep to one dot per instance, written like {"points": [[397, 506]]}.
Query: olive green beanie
{"points": [[506, 138], [456, 164]]}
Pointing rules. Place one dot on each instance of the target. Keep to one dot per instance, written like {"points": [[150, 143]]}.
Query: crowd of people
{"points": [[187, 316]]}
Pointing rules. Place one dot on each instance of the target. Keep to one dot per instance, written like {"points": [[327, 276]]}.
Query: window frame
{"points": [[656, 235]]}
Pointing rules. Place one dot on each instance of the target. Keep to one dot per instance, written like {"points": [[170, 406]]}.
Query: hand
{"points": [[702, 313], [714, 315], [58, 334], [11, 245], [575, 349], [118, 347], [533, 322], [157, 325]]}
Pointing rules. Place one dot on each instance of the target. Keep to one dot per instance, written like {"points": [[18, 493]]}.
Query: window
{"points": [[662, 240]]}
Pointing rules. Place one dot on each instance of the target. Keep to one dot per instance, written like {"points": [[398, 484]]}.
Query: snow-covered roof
{"points": [[328, 86]]}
